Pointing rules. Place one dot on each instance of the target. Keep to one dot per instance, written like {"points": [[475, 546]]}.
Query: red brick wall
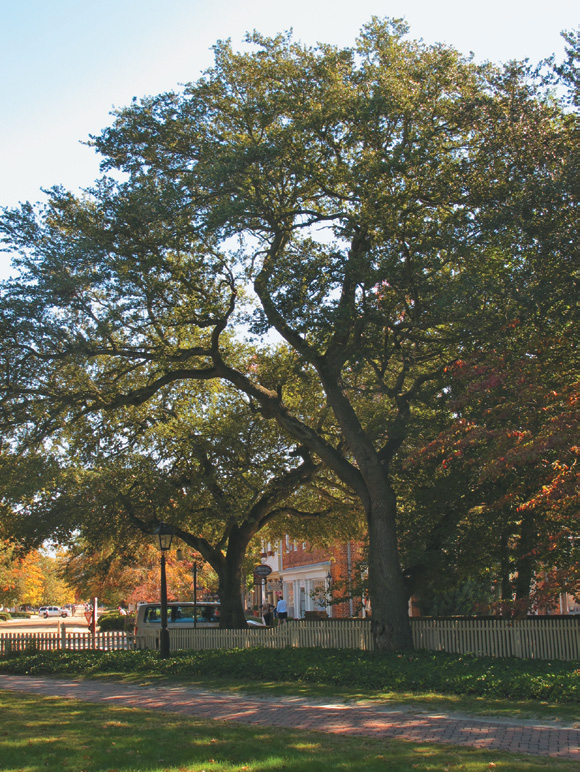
{"points": [[339, 572], [338, 557], [302, 557]]}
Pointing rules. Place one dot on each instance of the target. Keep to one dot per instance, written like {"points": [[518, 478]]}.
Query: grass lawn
{"points": [[55, 735]]}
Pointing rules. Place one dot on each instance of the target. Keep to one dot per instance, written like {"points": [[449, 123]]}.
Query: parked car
{"points": [[181, 615], [53, 611]]}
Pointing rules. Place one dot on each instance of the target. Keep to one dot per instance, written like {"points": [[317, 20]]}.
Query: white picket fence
{"points": [[112, 641], [540, 638], [350, 634], [548, 638]]}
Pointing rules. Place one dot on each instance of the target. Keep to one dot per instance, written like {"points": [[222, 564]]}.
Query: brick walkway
{"points": [[297, 713]]}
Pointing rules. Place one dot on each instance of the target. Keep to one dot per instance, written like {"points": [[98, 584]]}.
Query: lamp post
{"points": [[162, 537]]}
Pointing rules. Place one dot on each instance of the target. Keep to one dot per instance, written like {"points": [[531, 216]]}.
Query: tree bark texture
{"points": [[389, 598], [232, 613]]}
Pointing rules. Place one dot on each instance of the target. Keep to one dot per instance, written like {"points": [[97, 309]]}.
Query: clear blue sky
{"points": [[66, 63]]}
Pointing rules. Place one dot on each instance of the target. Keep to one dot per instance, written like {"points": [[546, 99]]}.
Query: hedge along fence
{"points": [[537, 638]]}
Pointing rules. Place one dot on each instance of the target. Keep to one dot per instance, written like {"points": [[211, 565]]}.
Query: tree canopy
{"points": [[199, 459]]}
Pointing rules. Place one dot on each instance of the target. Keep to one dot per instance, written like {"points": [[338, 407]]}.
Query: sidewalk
{"points": [[297, 713]]}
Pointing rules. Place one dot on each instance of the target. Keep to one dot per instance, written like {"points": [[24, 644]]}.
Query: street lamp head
{"points": [[162, 536]]}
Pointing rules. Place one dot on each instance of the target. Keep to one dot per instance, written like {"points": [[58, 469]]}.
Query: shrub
{"points": [[31, 646], [9, 649], [114, 621], [5, 616]]}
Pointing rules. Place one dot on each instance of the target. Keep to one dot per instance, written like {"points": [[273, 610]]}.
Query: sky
{"points": [[66, 64]]}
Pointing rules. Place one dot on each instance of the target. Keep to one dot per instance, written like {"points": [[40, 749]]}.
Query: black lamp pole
{"points": [[195, 594], [163, 536], [164, 634]]}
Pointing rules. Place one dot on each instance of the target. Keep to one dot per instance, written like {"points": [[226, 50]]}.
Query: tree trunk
{"points": [[232, 613], [388, 595], [228, 568], [506, 589], [525, 560]]}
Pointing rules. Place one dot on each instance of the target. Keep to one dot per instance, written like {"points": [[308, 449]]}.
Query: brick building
{"points": [[308, 577]]}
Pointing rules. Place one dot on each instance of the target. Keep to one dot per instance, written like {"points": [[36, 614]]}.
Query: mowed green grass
{"points": [[48, 734]]}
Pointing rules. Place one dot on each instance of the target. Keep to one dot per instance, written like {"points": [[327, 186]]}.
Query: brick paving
{"points": [[297, 713]]}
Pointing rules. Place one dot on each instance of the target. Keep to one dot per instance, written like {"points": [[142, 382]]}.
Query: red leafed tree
{"points": [[511, 455]]}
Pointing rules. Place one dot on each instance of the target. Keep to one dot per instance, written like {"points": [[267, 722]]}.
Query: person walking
{"points": [[282, 610]]}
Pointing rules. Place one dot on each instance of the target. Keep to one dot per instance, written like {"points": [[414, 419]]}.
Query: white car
{"points": [[53, 611]]}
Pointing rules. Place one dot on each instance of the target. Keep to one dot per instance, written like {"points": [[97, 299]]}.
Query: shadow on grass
{"points": [[560, 714]]}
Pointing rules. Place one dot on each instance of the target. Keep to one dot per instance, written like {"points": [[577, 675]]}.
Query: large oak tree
{"points": [[366, 207]]}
